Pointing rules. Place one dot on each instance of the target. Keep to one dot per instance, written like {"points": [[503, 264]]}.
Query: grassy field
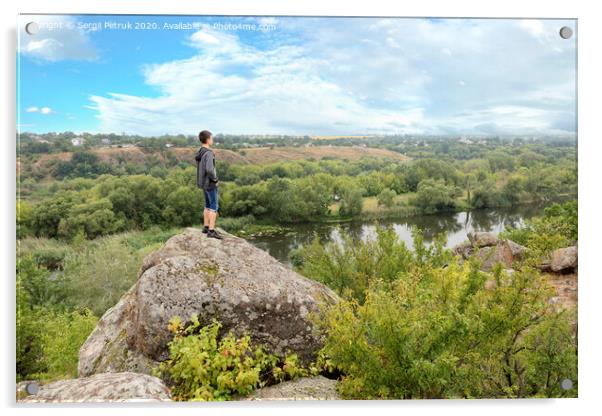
{"points": [[263, 155]]}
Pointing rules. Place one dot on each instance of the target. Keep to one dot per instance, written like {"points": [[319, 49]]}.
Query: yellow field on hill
{"points": [[276, 154], [340, 137]]}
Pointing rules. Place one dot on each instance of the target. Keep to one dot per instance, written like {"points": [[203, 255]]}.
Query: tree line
{"points": [[98, 202]]}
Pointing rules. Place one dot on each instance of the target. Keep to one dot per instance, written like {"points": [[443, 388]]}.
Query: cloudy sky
{"points": [[296, 75]]}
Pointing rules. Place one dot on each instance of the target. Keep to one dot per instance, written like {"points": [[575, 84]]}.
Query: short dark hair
{"points": [[204, 136]]}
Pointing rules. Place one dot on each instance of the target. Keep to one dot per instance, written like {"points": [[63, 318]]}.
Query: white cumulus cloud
{"points": [[351, 76]]}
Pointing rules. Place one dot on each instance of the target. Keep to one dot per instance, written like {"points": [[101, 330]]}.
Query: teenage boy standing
{"points": [[206, 179]]}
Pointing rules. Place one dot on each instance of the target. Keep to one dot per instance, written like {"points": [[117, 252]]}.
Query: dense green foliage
{"points": [[556, 228], [204, 366], [434, 196], [412, 323], [417, 325], [106, 198], [62, 288], [48, 336]]}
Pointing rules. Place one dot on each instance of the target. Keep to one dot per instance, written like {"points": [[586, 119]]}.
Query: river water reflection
{"points": [[455, 225]]}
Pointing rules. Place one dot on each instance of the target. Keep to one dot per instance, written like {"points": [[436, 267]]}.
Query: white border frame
{"points": [[590, 33]]}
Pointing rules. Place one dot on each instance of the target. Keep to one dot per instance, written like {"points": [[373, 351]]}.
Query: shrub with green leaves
{"points": [[63, 335], [428, 328], [350, 267], [48, 338], [205, 366]]}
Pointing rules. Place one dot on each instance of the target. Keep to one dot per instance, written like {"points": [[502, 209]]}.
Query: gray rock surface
{"points": [[230, 280], [518, 252], [489, 253], [104, 387], [482, 239], [463, 249], [564, 259], [305, 388], [490, 256]]}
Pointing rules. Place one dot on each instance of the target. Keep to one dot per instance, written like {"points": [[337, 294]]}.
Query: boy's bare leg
{"points": [[212, 218], [206, 213]]}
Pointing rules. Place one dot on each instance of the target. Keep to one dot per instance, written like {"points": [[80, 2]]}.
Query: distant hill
{"points": [[262, 155]]}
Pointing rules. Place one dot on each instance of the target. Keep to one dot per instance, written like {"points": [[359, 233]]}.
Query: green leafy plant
{"points": [[204, 366], [64, 333], [428, 328]]}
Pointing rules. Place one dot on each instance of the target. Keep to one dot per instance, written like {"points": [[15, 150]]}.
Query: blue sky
{"points": [[282, 75]]}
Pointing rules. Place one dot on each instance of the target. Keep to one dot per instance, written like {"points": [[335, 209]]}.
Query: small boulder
{"points": [[305, 388], [482, 239], [518, 251], [563, 259], [104, 387]]}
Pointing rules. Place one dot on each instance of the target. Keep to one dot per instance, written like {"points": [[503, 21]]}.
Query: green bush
{"points": [[425, 327], [86, 274], [386, 197], [434, 196], [183, 207], [350, 267], [63, 335], [48, 339], [351, 201], [236, 224], [24, 219], [100, 272], [35, 281], [29, 327], [203, 366]]}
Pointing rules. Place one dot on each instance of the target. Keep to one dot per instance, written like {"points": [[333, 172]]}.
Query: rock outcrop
{"points": [[305, 388], [564, 260], [230, 280], [490, 250], [482, 239], [104, 387]]}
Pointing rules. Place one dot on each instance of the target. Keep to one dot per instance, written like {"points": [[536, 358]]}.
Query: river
{"points": [[455, 225]]}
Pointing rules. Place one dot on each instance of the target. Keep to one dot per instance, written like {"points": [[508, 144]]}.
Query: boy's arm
{"points": [[211, 173], [210, 166]]}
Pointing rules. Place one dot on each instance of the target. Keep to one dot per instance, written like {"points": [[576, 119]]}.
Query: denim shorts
{"points": [[211, 199]]}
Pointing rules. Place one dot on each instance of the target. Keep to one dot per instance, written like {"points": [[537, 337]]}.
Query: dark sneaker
{"points": [[205, 230], [214, 234]]}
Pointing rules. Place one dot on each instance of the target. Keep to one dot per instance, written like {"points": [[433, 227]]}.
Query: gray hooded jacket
{"points": [[206, 175]]}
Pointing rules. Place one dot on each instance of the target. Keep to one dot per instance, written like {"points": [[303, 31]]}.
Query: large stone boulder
{"points": [[230, 280], [490, 256], [564, 259], [490, 250], [104, 387], [305, 388]]}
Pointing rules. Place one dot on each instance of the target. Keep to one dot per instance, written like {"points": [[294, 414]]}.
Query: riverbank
{"points": [[250, 227], [454, 225]]}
